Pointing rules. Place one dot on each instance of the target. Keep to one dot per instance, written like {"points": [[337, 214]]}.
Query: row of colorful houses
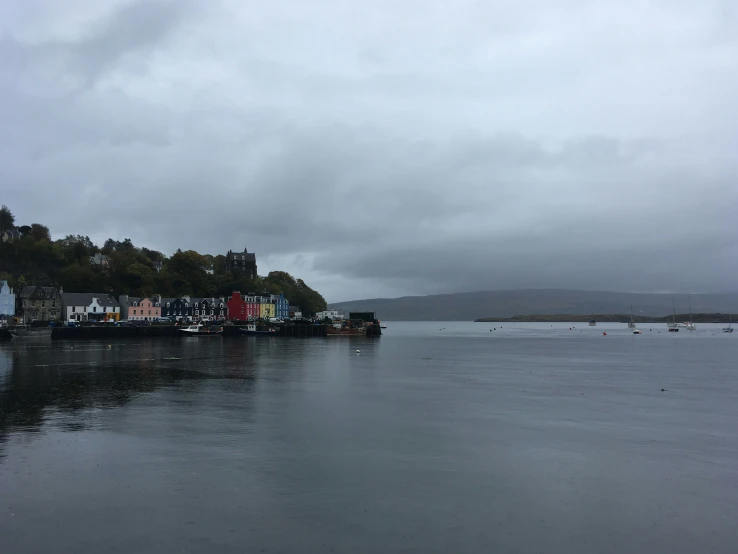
{"points": [[53, 304]]}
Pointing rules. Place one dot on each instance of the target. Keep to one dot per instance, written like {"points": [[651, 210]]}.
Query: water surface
{"points": [[436, 437]]}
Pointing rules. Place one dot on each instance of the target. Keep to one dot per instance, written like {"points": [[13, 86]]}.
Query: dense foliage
{"points": [[36, 259]]}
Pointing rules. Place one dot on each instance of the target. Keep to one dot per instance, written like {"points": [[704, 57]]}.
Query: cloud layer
{"points": [[384, 149]]}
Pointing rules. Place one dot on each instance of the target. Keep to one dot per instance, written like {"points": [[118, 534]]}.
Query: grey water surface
{"points": [[436, 437]]}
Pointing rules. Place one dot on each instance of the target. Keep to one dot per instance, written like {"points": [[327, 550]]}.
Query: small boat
{"points": [[28, 332], [346, 329], [592, 321], [200, 331], [673, 326], [729, 328], [637, 332], [253, 330], [688, 324]]}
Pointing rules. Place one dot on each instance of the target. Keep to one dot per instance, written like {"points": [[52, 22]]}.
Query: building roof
{"points": [[85, 299], [249, 257], [39, 292]]}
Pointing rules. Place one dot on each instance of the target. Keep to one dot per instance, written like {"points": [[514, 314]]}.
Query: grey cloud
{"points": [[382, 152]]}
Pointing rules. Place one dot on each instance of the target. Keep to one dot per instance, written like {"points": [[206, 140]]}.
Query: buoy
{"points": [[358, 351], [604, 334]]}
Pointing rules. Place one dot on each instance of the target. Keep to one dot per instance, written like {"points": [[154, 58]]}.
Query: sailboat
{"points": [[729, 328], [690, 326], [673, 326], [631, 321], [592, 321]]}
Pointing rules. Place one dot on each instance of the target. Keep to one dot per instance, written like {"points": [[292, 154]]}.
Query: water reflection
{"points": [[67, 383]]}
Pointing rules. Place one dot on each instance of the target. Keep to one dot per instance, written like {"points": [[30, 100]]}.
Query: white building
{"points": [[330, 314], [89, 306]]}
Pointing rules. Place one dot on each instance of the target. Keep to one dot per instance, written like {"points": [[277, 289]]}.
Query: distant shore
{"points": [[608, 318]]}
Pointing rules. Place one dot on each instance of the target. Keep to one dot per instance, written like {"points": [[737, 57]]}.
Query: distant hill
{"points": [[469, 306]]}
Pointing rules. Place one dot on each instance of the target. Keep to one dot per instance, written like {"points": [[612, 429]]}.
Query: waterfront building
{"points": [[89, 306], [281, 306], [7, 299], [35, 303]]}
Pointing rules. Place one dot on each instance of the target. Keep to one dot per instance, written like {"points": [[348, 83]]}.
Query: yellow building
{"points": [[266, 308]]}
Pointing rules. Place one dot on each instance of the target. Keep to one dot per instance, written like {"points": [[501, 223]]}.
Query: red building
{"points": [[237, 307]]}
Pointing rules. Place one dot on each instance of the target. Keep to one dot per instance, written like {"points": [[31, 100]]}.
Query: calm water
{"points": [[437, 437]]}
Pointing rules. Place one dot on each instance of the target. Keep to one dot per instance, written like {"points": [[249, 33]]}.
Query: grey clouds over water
{"points": [[386, 148]]}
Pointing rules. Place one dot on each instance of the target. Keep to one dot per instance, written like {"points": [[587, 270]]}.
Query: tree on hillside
{"points": [[76, 248], [153, 255], [71, 240], [7, 219], [40, 232], [109, 246], [79, 278], [187, 267]]}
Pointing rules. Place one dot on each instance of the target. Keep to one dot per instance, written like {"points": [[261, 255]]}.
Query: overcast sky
{"points": [[389, 147]]}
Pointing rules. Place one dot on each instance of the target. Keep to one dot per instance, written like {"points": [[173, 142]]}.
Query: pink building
{"points": [[252, 307], [144, 309]]}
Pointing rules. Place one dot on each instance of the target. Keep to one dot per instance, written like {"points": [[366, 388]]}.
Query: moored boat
{"points": [[347, 329], [28, 332], [254, 330], [631, 321], [200, 331], [673, 326]]}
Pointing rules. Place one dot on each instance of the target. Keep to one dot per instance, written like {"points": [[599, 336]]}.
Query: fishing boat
{"points": [[252, 330], [673, 326], [631, 321], [729, 328], [688, 324], [346, 329], [28, 332], [201, 331]]}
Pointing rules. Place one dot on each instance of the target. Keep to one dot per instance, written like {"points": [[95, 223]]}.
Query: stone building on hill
{"points": [[243, 261]]}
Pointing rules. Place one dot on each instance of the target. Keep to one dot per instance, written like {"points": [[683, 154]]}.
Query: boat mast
{"points": [[674, 306]]}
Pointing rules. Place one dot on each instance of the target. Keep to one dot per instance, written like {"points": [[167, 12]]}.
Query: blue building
{"points": [[281, 306], [7, 299]]}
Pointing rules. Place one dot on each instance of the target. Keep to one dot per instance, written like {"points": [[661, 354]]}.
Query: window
{"points": [[211, 312], [53, 303], [149, 312], [43, 304], [134, 312], [94, 308], [167, 304]]}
